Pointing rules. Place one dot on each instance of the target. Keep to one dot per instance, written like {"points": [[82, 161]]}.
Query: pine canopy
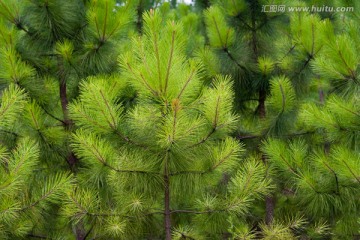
{"points": [[151, 119]]}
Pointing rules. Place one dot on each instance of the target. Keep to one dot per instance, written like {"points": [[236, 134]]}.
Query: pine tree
{"points": [[164, 157], [28, 190], [46, 48], [280, 78], [322, 169], [239, 33]]}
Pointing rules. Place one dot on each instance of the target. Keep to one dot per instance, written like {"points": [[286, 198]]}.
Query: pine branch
{"points": [[210, 170], [145, 63], [254, 41], [186, 83], [143, 79], [220, 162], [312, 39], [218, 32], [249, 99], [105, 20], [130, 141], [20, 26], [298, 174], [349, 110], [38, 236], [204, 139], [170, 61], [42, 198], [13, 19], [288, 52], [240, 137], [198, 212], [34, 120], [351, 170], [114, 30], [249, 137], [100, 158], [113, 124], [88, 119], [306, 63], [283, 98], [214, 126], [289, 166], [335, 176], [10, 132], [63, 95], [243, 21], [351, 72], [88, 232], [3, 5], [268, 19], [186, 172], [157, 56], [84, 211], [51, 115], [226, 50], [338, 86], [216, 119], [97, 30]]}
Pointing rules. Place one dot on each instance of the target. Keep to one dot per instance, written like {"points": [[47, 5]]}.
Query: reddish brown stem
{"points": [[71, 158], [64, 103], [261, 106], [167, 211], [269, 205]]}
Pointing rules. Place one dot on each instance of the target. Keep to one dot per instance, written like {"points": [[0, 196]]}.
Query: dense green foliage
{"points": [[145, 119]]}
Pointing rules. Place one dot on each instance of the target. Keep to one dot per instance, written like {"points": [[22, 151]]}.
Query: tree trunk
{"points": [[79, 231], [261, 106], [269, 200], [167, 221], [269, 205], [64, 103], [139, 11], [71, 158]]}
